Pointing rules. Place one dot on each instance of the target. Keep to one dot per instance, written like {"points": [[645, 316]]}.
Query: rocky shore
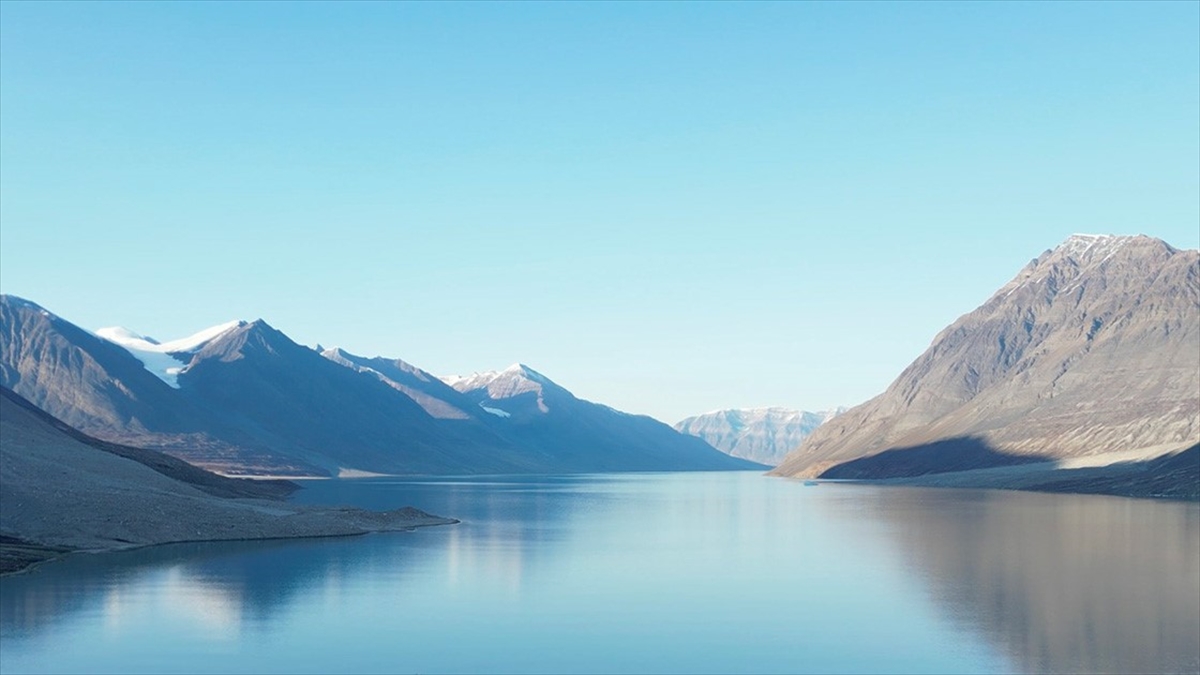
{"points": [[64, 491], [1171, 476]]}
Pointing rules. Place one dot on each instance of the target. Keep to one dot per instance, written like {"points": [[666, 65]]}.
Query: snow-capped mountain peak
{"points": [[476, 380], [760, 434], [483, 377], [166, 360], [123, 336], [1056, 271], [1094, 247], [132, 340], [514, 380], [523, 371]]}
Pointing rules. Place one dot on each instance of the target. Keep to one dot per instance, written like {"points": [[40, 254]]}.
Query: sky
{"points": [[669, 208]]}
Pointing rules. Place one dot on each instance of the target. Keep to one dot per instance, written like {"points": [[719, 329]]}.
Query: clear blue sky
{"points": [[668, 208]]}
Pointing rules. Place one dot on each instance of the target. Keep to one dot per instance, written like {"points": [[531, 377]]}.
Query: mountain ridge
{"points": [[245, 398], [1094, 346]]}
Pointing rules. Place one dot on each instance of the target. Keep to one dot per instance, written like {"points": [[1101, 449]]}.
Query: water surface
{"points": [[724, 572]]}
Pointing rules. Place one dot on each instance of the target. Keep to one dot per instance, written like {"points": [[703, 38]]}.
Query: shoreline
{"points": [[65, 491], [1174, 477], [56, 553]]}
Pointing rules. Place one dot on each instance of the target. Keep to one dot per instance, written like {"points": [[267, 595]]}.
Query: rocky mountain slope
{"points": [[763, 435], [244, 398], [1093, 348], [66, 491], [99, 387], [312, 409], [247, 400], [567, 431], [437, 398]]}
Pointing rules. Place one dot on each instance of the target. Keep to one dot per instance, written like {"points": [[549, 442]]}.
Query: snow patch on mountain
{"points": [[131, 340], [514, 380], [477, 380], [166, 360]]}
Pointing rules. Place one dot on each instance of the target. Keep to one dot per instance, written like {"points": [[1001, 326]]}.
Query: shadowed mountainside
{"points": [[1171, 476], [171, 467], [568, 431], [65, 491], [1093, 348], [101, 389], [950, 455], [556, 431], [325, 414], [971, 462], [1175, 476], [243, 398]]}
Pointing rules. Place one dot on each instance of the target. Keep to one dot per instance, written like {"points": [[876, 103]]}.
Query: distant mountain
{"points": [[244, 398], [567, 431], [763, 435], [1093, 348]]}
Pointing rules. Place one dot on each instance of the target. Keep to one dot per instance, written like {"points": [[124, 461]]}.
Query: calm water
{"points": [[696, 573]]}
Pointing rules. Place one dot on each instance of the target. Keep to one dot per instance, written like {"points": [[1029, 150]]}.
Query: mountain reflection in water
{"points": [[1063, 583], [719, 572]]}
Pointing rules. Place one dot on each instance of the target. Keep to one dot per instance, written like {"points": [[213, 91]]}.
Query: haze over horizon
{"points": [[665, 208]]}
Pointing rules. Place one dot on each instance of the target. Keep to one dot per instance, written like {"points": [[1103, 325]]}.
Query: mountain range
{"points": [[763, 435], [1091, 352], [243, 398]]}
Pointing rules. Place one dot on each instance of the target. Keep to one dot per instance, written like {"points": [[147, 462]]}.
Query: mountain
{"points": [[244, 398], [165, 360], [763, 435], [100, 387], [240, 398], [435, 397], [566, 431], [64, 490], [331, 416], [513, 405], [21, 417], [1092, 349]]}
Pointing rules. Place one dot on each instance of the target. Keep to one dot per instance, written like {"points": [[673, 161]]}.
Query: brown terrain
{"points": [[1091, 351]]}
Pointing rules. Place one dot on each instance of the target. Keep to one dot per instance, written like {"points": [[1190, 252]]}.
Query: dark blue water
{"points": [[645, 573]]}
